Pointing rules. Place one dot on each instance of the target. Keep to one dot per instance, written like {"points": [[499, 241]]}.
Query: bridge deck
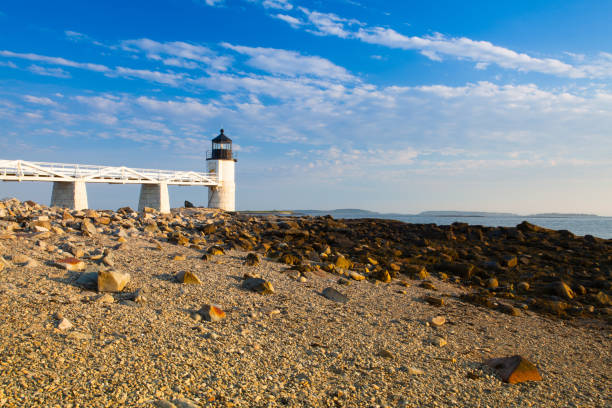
{"points": [[20, 170]]}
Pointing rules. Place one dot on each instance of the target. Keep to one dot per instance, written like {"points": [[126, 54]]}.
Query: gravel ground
{"points": [[291, 348]]}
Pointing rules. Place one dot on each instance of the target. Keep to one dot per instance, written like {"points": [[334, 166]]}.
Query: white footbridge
{"points": [[69, 181]]}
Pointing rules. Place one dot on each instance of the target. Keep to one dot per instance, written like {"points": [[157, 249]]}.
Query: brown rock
{"points": [[515, 369], [434, 300], [189, 278], [342, 262], [258, 285], [112, 281], [88, 228], [212, 313]]}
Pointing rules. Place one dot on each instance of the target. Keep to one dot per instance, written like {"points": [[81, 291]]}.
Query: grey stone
{"points": [[332, 294]]}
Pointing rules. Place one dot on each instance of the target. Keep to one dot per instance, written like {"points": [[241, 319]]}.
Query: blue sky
{"points": [[390, 106]]}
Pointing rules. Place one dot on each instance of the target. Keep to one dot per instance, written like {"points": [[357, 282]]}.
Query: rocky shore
{"points": [[206, 308]]}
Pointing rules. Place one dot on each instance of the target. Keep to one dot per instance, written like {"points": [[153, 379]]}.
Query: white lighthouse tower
{"points": [[221, 162]]}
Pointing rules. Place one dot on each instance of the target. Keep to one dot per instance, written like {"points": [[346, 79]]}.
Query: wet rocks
{"points": [[515, 369], [332, 294], [112, 281]]}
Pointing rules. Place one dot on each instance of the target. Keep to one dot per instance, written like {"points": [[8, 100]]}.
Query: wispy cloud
{"points": [[39, 100], [178, 53], [291, 63], [52, 72], [292, 21], [80, 37], [438, 47], [277, 4], [167, 78], [55, 61]]}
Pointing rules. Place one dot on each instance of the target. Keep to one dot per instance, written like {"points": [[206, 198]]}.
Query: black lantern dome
{"points": [[221, 148]]}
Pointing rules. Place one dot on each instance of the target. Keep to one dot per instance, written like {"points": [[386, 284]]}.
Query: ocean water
{"points": [[580, 225]]}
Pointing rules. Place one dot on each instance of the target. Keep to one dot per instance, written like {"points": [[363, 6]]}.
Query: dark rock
{"points": [[189, 204], [258, 285], [252, 259], [435, 301], [332, 294], [88, 280]]}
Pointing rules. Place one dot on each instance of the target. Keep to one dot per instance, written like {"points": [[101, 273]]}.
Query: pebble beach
{"points": [[304, 319]]}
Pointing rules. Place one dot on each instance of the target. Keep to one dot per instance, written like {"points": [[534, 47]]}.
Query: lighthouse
{"points": [[221, 162]]}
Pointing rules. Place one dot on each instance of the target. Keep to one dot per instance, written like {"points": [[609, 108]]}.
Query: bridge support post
{"points": [[154, 196], [68, 194]]}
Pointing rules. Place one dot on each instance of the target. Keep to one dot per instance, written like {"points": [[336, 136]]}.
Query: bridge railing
{"points": [[40, 171]]}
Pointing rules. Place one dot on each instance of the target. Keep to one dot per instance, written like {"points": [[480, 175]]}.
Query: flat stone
{"points": [[179, 258], [438, 321], [184, 403], [415, 371], [332, 294], [105, 298], [112, 281], [385, 353], [71, 264], [212, 313], [515, 369], [356, 276], [75, 335], [21, 259]]}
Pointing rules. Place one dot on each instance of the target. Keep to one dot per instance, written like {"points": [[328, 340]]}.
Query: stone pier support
{"points": [[69, 194], [154, 196]]}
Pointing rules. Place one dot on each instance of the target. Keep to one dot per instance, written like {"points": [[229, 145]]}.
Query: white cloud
{"points": [[55, 61], [291, 63], [167, 78], [181, 54], [438, 46], [292, 21], [213, 2], [277, 4], [188, 107], [53, 72], [39, 100], [327, 23]]}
